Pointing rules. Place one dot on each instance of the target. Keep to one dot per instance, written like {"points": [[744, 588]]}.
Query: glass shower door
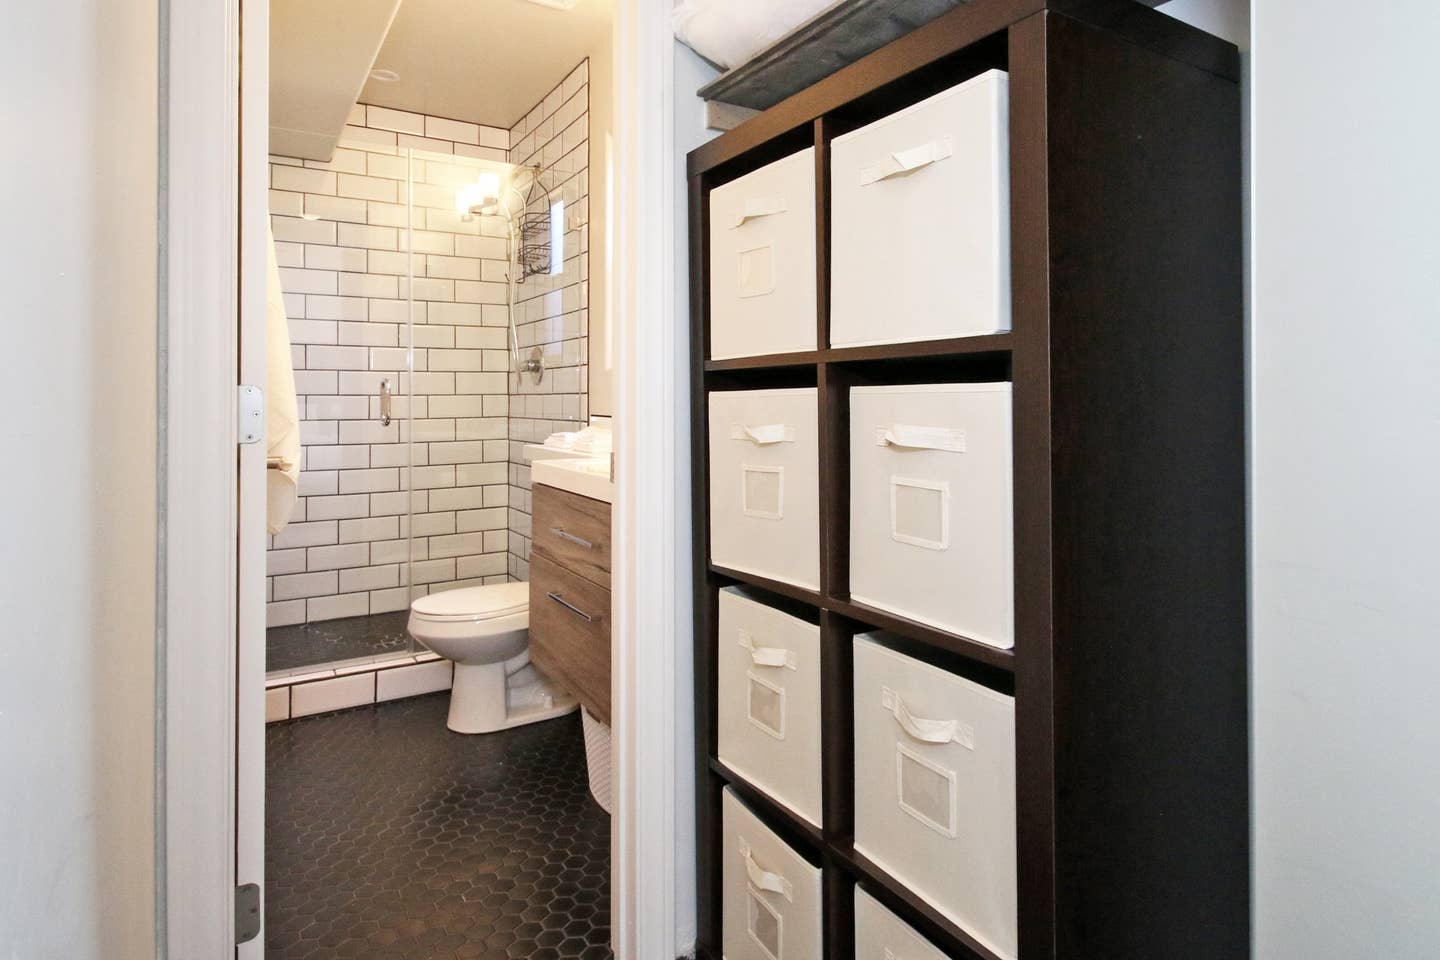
{"points": [[458, 389]]}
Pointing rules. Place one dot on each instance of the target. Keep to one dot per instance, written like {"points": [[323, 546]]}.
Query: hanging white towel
{"points": [[282, 416]]}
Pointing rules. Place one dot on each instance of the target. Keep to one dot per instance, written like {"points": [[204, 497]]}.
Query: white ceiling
{"points": [[320, 55], [485, 61]]}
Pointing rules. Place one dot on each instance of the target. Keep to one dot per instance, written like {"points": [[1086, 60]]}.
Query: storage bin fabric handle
{"points": [[757, 207], [905, 161], [766, 656], [763, 435], [926, 731], [762, 879], [912, 437]]}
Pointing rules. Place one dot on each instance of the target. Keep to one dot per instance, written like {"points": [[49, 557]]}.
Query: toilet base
{"points": [[487, 697]]}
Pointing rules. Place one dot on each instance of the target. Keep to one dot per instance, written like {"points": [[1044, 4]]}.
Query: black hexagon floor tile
{"points": [[388, 836]]}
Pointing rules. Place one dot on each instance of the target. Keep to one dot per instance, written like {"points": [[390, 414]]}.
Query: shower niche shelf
{"points": [[1125, 359]]}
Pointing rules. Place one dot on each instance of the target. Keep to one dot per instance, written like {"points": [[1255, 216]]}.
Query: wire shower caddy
{"points": [[533, 255]]}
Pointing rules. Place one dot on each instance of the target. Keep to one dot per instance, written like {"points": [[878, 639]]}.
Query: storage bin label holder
{"points": [[764, 923], [923, 520], [765, 706], [762, 488], [926, 790]]}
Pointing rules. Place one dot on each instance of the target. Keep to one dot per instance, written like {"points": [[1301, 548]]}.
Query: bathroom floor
{"points": [[388, 836], [331, 641]]}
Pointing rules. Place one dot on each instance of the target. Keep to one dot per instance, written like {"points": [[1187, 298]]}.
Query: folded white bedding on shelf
{"points": [[729, 32]]}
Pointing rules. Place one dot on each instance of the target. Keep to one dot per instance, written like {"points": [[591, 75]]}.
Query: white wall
{"points": [[1344, 419], [1346, 510], [1228, 19], [77, 558], [691, 73]]}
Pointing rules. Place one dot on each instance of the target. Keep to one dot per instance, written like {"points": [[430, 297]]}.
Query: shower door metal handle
{"points": [[385, 394]]}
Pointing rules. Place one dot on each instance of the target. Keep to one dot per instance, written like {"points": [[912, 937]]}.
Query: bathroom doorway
{"points": [[438, 242], [212, 700]]}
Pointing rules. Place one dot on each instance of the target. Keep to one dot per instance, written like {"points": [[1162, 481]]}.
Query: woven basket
{"points": [[597, 759]]}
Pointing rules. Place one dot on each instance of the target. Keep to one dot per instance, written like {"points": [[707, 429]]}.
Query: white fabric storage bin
{"points": [[935, 788], [920, 217], [762, 260], [765, 484], [768, 683], [931, 527], [770, 895], [880, 935]]}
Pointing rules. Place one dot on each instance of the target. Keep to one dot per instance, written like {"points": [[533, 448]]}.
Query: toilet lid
{"points": [[475, 603]]}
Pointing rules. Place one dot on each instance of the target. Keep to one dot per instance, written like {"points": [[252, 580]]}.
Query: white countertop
{"points": [[587, 477]]}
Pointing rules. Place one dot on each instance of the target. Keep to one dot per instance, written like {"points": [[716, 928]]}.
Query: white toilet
{"points": [[485, 632]]}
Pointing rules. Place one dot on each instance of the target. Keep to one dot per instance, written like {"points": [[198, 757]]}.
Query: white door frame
{"points": [[199, 343], [203, 157], [643, 316]]}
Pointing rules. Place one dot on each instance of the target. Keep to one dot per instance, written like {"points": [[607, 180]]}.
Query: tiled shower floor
{"points": [[330, 641], [388, 836]]}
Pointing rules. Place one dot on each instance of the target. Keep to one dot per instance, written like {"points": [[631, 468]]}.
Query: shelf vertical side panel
{"points": [[1148, 472]]}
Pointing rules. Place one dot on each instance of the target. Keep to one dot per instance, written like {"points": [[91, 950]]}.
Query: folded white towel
{"points": [[561, 440], [282, 416]]}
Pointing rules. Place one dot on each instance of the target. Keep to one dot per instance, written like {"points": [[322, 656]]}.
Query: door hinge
{"points": [[251, 424], [247, 912]]}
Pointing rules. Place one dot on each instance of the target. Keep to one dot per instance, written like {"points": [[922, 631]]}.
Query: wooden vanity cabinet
{"points": [[570, 594]]}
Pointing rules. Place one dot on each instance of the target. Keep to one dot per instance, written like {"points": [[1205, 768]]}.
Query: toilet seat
{"points": [[473, 603]]}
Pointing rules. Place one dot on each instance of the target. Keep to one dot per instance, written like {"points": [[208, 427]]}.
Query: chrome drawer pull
{"points": [[571, 607], [563, 535]]}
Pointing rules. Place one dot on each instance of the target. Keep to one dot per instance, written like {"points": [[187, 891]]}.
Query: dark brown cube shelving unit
{"points": [[1126, 357]]}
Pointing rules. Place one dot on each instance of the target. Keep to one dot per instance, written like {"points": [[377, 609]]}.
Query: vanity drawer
{"points": [[572, 531], [570, 633]]}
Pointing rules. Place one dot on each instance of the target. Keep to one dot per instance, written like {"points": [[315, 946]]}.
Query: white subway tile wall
{"points": [[551, 311], [344, 272]]}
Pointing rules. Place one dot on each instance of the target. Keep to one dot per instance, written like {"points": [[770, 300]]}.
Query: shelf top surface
{"points": [[950, 34]]}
